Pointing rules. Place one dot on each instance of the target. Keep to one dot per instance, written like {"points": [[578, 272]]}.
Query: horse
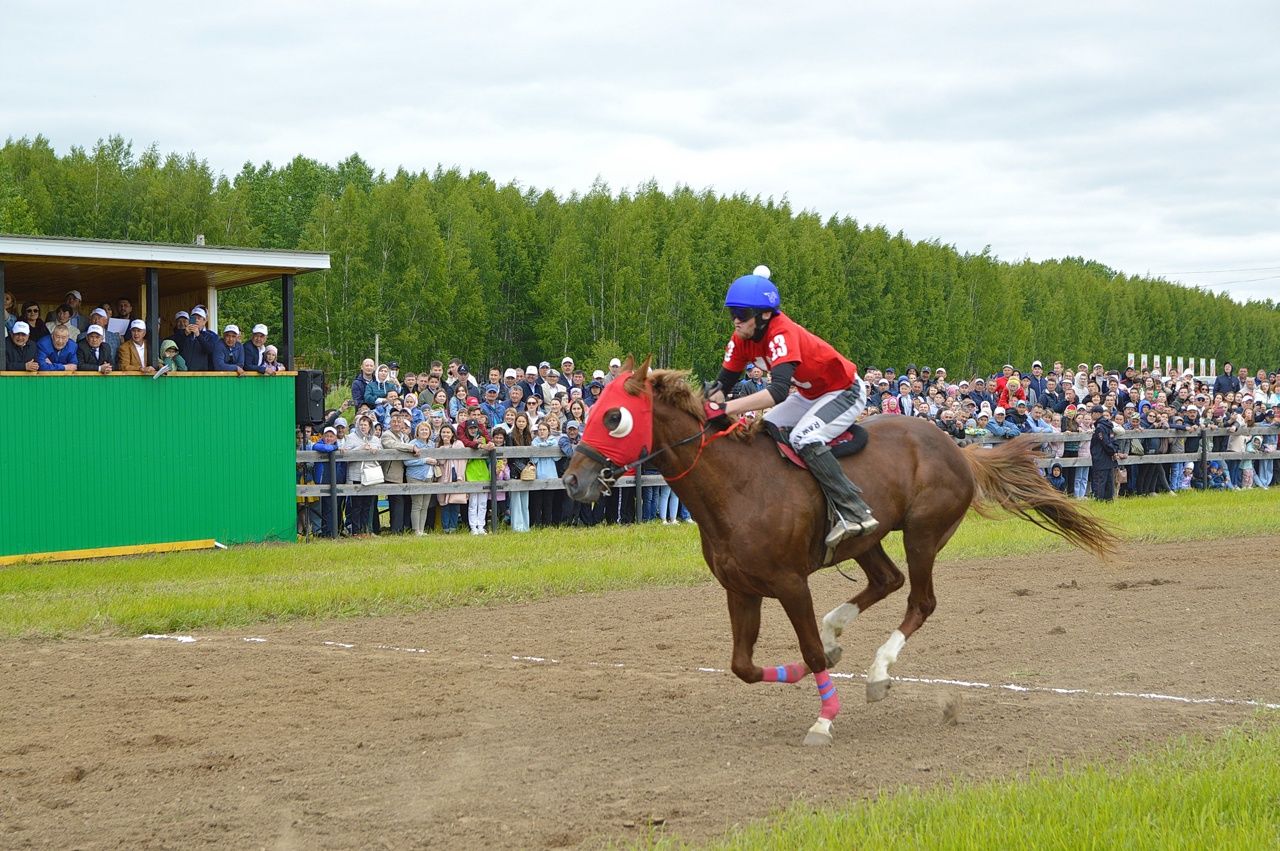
{"points": [[762, 520]]}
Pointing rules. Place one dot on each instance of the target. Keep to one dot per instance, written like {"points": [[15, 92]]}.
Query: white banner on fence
{"points": [[1144, 363], [1213, 366], [1179, 364], [1130, 358]]}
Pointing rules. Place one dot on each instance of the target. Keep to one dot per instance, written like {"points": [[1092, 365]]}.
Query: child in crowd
{"points": [[170, 358], [272, 363], [499, 438], [474, 436], [1218, 479], [1057, 479]]}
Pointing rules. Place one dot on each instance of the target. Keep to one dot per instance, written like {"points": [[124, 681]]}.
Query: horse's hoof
{"points": [[878, 691], [833, 656], [817, 739], [819, 734]]}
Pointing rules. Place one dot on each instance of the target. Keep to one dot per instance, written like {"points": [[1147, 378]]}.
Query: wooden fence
{"points": [[333, 490]]}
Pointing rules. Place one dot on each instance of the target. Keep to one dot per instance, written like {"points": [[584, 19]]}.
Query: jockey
{"points": [[830, 394]]}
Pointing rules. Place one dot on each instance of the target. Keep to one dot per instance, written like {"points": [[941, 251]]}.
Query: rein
{"points": [[608, 476]]}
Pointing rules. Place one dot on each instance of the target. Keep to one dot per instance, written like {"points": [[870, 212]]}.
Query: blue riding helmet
{"points": [[753, 291]]}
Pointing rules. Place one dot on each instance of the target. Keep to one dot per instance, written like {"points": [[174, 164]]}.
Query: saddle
{"points": [[850, 442]]}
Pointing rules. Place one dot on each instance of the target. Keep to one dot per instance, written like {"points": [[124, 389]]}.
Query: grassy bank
{"points": [[253, 584], [1192, 794]]}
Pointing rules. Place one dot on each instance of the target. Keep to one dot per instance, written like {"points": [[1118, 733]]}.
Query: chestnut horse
{"points": [[762, 520]]}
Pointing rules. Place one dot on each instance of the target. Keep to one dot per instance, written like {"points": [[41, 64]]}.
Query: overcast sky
{"points": [[1142, 135]]}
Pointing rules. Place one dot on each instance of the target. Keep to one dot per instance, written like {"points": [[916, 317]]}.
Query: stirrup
{"points": [[843, 529]]}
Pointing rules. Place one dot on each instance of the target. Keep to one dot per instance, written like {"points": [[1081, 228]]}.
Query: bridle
{"points": [[608, 475]]}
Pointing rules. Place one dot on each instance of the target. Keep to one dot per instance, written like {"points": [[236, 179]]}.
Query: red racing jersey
{"points": [[819, 367]]}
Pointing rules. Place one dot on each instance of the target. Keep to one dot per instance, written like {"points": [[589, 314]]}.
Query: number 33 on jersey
{"points": [[819, 367]]}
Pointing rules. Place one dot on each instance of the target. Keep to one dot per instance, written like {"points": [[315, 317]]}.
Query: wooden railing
{"points": [[332, 489], [1203, 455]]}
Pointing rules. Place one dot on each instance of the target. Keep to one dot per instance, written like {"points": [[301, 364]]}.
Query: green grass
{"points": [[255, 584], [1190, 795]]}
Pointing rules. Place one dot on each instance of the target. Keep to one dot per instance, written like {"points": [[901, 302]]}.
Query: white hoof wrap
{"points": [[819, 734], [834, 623], [886, 656]]}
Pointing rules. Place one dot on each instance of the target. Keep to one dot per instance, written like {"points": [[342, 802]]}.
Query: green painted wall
{"points": [[102, 461]]}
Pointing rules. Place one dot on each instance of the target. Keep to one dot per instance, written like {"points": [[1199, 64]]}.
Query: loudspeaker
{"points": [[309, 396]]}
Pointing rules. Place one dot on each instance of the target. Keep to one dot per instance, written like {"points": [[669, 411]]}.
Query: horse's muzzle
{"points": [[582, 479]]}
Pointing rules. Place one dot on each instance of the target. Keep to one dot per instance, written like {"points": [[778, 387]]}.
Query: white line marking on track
{"points": [[928, 681]]}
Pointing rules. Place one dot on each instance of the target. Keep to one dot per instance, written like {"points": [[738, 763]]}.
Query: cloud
{"points": [[1142, 135]]}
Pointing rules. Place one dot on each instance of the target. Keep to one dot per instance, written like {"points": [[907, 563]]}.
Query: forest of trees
{"points": [[444, 263]]}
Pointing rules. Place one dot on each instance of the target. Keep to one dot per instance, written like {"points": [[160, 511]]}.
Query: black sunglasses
{"points": [[742, 314]]}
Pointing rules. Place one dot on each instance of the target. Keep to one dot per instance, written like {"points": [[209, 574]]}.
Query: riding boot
{"points": [[853, 516]]}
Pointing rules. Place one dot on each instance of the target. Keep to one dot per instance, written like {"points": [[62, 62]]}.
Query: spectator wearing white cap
{"points": [[101, 316], [198, 343], [255, 353], [531, 383], [551, 386], [509, 380], [20, 350], [181, 320], [592, 391], [92, 354], [228, 352], [133, 354], [615, 367]]}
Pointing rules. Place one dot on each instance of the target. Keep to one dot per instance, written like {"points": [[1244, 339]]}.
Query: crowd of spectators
{"points": [[1113, 407], [542, 406], [448, 406], [70, 339]]}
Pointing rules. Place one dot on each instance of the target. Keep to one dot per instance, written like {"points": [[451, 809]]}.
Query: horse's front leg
{"points": [[744, 618], [798, 604]]}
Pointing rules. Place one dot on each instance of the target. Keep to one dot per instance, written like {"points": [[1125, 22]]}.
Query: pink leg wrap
{"points": [[793, 673], [827, 691]]}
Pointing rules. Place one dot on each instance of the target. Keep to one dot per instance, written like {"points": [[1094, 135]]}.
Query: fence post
{"points": [[493, 488], [639, 498], [333, 494], [1204, 459]]}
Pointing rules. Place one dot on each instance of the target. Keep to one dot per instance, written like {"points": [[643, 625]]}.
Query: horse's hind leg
{"points": [[883, 578], [921, 553]]}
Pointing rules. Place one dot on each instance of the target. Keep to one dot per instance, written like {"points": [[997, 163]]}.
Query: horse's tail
{"points": [[1007, 476]]}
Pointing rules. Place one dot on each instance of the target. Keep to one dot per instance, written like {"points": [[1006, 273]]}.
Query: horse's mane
{"points": [[672, 387]]}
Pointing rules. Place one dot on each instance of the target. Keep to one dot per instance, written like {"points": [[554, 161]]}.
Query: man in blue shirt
{"points": [[228, 352]]}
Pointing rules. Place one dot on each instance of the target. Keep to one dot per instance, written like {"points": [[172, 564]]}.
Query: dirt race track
{"points": [[444, 730]]}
